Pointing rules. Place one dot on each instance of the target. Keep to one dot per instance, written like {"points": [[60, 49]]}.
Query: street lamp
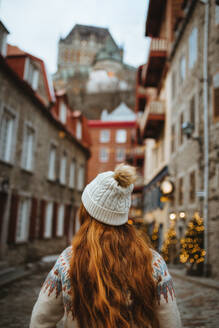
{"points": [[172, 216], [188, 129]]}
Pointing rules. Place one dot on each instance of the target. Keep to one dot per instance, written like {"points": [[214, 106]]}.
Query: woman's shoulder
{"points": [[159, 266]]}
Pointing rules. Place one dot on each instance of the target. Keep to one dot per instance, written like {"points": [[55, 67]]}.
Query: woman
{"points": [[110, 277]]}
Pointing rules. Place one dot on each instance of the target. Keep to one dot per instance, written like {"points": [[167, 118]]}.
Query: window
{"points": [[52, 160], [193, 47], [78, 130], [72, 175], [216, 14], [104, 155], [216, 95], [180, 191], [173, 85], [121, 136], [60, 223], [104, 136], [23, 222], [27, 158], [63, 113], [120, 154], [6, 136], [192, 187], [63, 169], [173, 139], [3, 43], [35, 79], [81, 177], [182, 68], [192, 110], [48, 220], [180, 129], [31, 74]]}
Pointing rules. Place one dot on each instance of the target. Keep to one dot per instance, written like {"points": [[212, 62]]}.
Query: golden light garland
{"points": [[192, 244]]}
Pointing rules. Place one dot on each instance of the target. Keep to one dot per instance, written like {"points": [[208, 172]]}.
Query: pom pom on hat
{"points": [[107, 198], [125, 175]]}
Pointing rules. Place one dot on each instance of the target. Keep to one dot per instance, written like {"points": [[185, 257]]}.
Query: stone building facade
{"points": [[181, 84], [43, 157], [90, 64]]}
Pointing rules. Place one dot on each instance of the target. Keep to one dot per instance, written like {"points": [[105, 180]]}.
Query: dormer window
{"points": [[31, 74], [78, 130], [63, 113], [3, 39]]}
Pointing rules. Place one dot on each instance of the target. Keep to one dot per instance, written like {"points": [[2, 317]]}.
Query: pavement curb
{"points": [[209, 284]]}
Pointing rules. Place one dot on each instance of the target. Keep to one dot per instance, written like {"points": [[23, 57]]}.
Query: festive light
{"points": [[169, 243], [192, 244], [172, 216], [182, 215]]}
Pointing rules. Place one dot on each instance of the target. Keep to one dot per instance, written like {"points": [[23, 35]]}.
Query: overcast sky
{"points": [[36, 25]]}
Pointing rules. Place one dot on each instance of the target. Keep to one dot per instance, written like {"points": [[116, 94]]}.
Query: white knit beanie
{"points": [[107, 198]]}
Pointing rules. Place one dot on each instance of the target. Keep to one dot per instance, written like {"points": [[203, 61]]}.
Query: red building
{"points": [[111, 142]]}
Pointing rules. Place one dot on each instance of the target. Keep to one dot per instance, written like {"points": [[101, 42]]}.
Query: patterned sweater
{"points": [[54, 301]]}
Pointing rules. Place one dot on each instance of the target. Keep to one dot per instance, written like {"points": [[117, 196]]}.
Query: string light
{"points": [[192, 244]]}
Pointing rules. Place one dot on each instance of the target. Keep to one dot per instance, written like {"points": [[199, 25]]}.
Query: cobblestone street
{"points": [[199, 306]]}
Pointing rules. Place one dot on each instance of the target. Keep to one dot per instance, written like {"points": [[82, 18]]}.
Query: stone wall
{"points": [[35, 184]]}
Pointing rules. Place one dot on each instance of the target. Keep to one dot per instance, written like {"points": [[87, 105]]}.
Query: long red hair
{"points": [[111, 276]]}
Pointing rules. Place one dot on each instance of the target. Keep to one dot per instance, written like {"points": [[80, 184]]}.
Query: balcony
{"points": [[154, 17], [156, 61], [135, 156], [152, 121]]}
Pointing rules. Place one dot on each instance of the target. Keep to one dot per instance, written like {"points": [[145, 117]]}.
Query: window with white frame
{"points": [[120, 154], [216, 14], [121, 136], [104, 155], [173, 85], [193, 47], [48, 220], [35, 79], [60, 223], [80, 181], [63, 113], [72, 174], [3, 43], [31, 73], [104, 136], [28, 145], [182, 68], [23, 220], [62, 175], [78, 130], [6, 135], [52, 162]]}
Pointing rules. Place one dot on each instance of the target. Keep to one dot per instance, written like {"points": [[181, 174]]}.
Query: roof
{"points": [[111, 124], [2, 26], [121, 113], [85, 31], [14, 51]]}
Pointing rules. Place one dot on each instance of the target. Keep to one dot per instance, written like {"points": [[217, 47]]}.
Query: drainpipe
{"points": [[206, 136]]}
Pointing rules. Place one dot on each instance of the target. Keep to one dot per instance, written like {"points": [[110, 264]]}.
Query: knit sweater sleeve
{"points": [[49, 308], [167, 310]]}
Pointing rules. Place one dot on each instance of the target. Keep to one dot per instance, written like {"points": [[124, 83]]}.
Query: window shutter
{"points": [[33, 219], [54, 219], [67, 219], [42, 218], [3, 201], [216, 102], [13, 218]]}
